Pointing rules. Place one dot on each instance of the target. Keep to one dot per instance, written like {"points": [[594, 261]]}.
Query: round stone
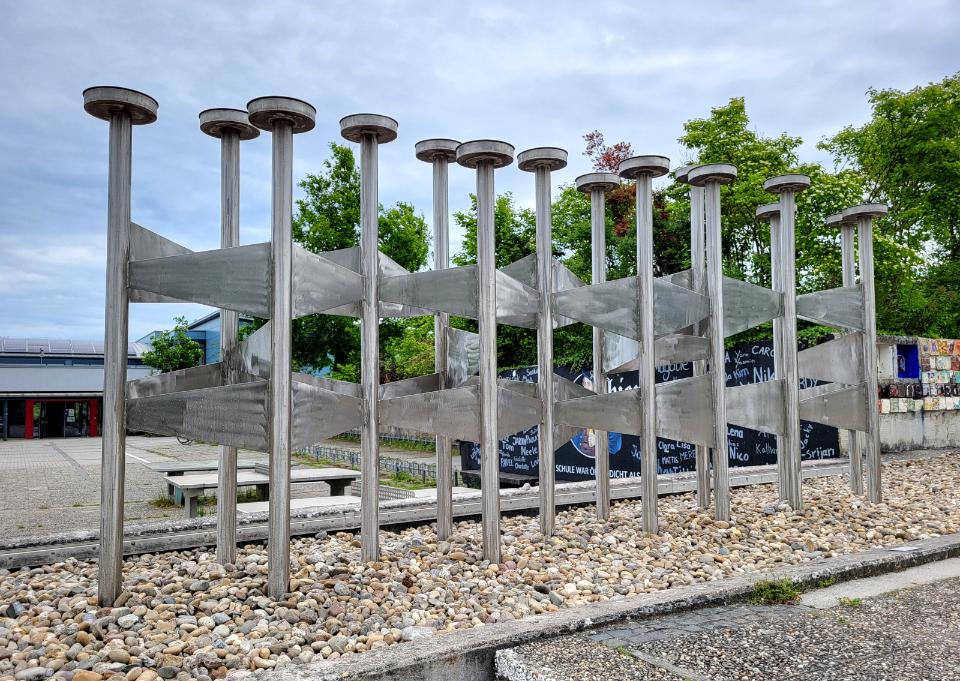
{"points": [[473, 153], [264, 111], [636, 166], [551, 158], [602, 181], [791, 182], [214, 121], [103, 101], [721, 173], [355, 126], [438, 148]]}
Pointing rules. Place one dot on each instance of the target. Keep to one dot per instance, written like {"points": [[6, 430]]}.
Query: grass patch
{"points": [[162, 501], [409, 445], [774, 592], [623, 650], [406, 481], [824, 583], [850, 602]]}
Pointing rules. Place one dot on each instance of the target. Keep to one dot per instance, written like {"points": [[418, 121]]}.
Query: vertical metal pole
{"points": [[697, 275], [872, 438], [850, 279], [545, 348], [6, 419], [789, 456], [115, 360], [369, 350], [441, 321], [598, 255], [487, 316], [718, 374], [229, 319], [647, 361], [281, 330], [777, 285]]}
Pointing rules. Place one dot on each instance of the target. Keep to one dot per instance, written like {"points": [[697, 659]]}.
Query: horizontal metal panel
{"points": [[231, 278], [524, 270], [331, 384], [463, 355], [757, 405], [839, 360], [747, 305], [319, 413], [681, 278], [515, 411], [517, 303], [320, 285], [232, 415], [454, 412], [842, 408], [678, 348], [618, 412], [451, 290], [685, 410], [619, 353], [145, 245], [842, 307], [350, 258], [193, 378], [410, 386]]}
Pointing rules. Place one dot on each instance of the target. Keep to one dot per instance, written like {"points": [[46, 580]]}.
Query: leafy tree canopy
{"points": [[174, 349]]}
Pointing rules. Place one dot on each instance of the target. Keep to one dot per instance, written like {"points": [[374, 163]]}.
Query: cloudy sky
{"points": [[529, 73]]}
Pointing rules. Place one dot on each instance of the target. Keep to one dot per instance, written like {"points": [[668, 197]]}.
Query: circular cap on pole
{"points": [[102, 101], [551, 158], [680, 174], [434, 149], [865, 210], [768, 210], [654, 166], [721, 173], [602, 181], [214, 121], [355, 126], [792, 182], [473, 153], [839, 220], [263, 111]]}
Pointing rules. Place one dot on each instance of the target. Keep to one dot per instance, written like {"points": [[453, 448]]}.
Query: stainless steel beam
{"points": [[283, 117], [643, 169], [122, 108], [788, 457], [485, 156], [231, 126]]}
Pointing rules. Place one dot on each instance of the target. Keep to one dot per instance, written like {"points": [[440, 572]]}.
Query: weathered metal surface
{"points": [[757, 405], [842, 307], [254, 352], [615, 412], [333, 385], [350, 258], [840, 360], [517, 304], [452, 290], [771, 212], [145, 245], [232, 278], [524, 271], [841, 408], [233, 415], [411, 386], [319, 413], [320, 285], [847, 257], [697, 281], [747, 305], [685, 411], [463, 355], [193, 378]]}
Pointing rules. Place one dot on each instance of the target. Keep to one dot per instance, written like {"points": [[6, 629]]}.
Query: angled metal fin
{"points": [[410, 386], [319, 413], [146, 245], [524, 270], [618, 412], [452, 290], [757, 405], [839, 360], [330, 384], [253, 353], [681, 278], [517, 303], [841, 307], [320, 285], [842, 408], [685, 412], [194, 378], [232, 278], [747, 305], [564, 389], [463, 355], [232, 415], [350, 258], [620, 352], [516, 411], [453, 412]]}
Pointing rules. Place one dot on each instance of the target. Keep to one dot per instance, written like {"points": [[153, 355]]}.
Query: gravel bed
{"points": [[182, 615]]}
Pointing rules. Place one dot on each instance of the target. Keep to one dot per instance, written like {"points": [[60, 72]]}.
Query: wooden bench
{"points": [[173, 468], [193, 486]]}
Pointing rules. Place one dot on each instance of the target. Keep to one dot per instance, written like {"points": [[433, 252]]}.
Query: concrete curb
{"points": [[468, 655]]}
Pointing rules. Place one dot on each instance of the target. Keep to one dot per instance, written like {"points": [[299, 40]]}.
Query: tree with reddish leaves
{"points": [[605, 159]]}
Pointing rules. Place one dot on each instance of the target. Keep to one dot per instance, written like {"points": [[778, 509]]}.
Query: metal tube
{"points": [[229, 236], [545, 348], [441, 321], [850, 279], [789, 456], [697, 275], [487, 323], [777, 285], [598, 251], [647, 362], [718, 374], [369, 350], [281, 327], [872, 436], [113, 421]]}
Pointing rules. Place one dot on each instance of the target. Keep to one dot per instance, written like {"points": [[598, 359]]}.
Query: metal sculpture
{"points": [[252, 398]]}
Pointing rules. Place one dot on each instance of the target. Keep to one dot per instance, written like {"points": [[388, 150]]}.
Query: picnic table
{"points": [[193, 486]]}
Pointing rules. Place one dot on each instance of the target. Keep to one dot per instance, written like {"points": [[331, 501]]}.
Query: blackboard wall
{"points": [[746, 363]]}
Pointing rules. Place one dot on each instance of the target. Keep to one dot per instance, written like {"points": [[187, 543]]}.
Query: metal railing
{"points": [[351, 457]]}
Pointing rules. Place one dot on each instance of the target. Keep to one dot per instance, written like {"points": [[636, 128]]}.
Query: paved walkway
{"points": [[898, 627]]}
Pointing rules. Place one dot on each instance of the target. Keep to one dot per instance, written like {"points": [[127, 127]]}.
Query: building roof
{"points": [[20, 347]]}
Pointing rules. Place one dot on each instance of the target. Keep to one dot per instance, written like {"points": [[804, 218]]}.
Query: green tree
{"points": [[174, 349], [328, 218]]}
